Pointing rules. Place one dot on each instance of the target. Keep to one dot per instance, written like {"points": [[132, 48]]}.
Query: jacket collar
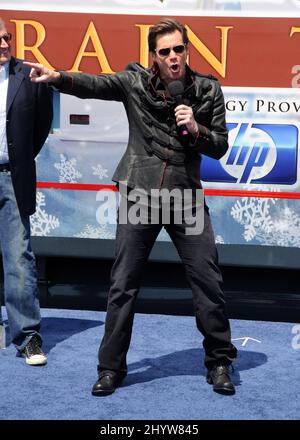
{"points": [[158, 88]]}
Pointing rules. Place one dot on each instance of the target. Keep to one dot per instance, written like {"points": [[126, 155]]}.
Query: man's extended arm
{"points": [[108, 87]]}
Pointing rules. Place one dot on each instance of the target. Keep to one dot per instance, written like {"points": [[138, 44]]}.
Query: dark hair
{"points": [[165, 26]]}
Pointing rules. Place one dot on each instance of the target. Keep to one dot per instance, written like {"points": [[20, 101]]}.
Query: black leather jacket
{"points": [[154, 143]]}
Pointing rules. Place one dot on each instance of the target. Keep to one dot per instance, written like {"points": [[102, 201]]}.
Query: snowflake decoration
{"points": [[100, 171], [286, 230], [67, 170], [93, 232], [254, 214], [219, 239], [41, 222], [280, 229]]}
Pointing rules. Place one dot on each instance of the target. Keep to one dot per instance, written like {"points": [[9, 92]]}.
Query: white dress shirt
{"points": [[3, 95]]}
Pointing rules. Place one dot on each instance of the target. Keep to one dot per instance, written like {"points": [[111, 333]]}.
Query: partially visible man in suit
{"points": [[25, 121]]}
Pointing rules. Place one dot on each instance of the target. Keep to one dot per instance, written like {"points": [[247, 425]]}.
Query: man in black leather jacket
{"points": [[168, 132]]}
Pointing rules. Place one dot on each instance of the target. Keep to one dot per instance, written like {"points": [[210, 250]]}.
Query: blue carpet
{"points": [[166, 378]]}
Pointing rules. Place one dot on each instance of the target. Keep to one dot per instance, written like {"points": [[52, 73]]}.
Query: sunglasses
{"points": [[166, 50], [6, 37]]}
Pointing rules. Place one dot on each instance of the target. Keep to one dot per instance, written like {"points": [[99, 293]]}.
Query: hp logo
{"points": [[258, 153]]}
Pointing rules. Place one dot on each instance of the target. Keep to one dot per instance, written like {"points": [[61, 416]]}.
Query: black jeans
{"points": [[199, 256]]}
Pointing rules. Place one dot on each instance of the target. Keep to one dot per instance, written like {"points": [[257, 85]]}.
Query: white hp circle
{"points": [[253, 137]]}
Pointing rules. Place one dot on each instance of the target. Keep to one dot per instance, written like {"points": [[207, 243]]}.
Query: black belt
{"points": [[4, 167]]}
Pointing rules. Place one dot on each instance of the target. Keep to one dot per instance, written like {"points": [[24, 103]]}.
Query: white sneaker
{"points": [[33, 353]]}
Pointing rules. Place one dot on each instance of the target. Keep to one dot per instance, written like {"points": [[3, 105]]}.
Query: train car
{"points": [[253, 191]]}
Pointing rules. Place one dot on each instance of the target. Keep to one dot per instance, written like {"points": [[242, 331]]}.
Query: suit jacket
{"points": [[29, 117]]}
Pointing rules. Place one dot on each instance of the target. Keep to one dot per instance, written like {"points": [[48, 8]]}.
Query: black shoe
{"points": [[219, 377], [33, 353], [107, 383]]}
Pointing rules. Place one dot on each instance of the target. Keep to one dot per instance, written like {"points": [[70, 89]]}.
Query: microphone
{"points": [[176, 90]]}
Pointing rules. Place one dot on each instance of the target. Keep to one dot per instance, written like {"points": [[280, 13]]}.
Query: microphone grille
{"points": [[176, 88]]}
